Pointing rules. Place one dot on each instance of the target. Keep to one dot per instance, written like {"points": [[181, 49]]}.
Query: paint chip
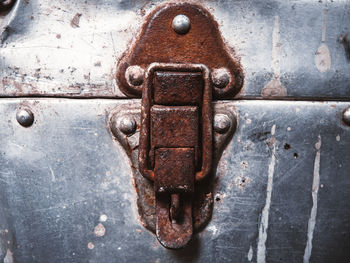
{"points": [[91, 245], [314, 193], [103, 218], [9, 257], [250, 254], [76, 20], [264, 223], [99, 230]]}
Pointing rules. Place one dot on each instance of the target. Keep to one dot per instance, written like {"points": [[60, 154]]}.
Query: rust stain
{"points": [[346, 44], [76, 20], [99, 230]]}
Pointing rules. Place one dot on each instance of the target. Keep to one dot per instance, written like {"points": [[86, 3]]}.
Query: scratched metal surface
{"points": [[65, 175], [70, 48]]}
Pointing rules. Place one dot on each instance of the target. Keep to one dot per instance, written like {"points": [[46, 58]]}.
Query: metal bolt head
{"points": [[220, 77], [134, 75], [181, 24], [346, 116], [222, 123], [25, 117], [127, 125]]}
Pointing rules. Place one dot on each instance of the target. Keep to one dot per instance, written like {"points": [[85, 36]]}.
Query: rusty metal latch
{"points": [[179, 64], [175, 143]]}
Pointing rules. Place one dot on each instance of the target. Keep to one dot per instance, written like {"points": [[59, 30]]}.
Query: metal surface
{"points": [[176, 141], [175, 148], [43, 54], [63, 177], [134, 75], [25, 117], [181, 24], [70, 189], [158, 43], [346, 116], [222, 123]]}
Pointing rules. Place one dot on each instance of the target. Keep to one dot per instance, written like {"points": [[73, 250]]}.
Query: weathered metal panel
{"points": [[71, 48], [67, 193]]}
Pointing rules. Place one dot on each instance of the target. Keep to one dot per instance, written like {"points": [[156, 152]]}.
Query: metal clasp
{"points": [[175, 147]]}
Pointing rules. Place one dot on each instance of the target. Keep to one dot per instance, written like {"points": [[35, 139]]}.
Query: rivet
{"points": [[220, 77], [346, 116], [181, 24], [25, 117], [126, 125], [222, 123], [134, 75]]}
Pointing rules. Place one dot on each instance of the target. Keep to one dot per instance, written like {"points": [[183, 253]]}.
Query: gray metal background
{"points": [[44, 54], [59, 176]]}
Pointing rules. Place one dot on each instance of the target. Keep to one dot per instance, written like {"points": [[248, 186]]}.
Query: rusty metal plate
{"points": [[174, 169], [178, 88], [174, 126]]}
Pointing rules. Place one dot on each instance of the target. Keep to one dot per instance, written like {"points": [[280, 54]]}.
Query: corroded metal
{"points": [[176, 138], [202, 200], [201, 45]]}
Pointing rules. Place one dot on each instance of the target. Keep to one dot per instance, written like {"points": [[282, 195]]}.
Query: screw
{"points": [[25, 117], [346, 116], [222, 123], [134, 75], [181, 24], [126, 125], [220, 77]]}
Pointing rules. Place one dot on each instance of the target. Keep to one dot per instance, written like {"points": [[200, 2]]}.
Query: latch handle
{"points": [[171, 161], [206, 117]]}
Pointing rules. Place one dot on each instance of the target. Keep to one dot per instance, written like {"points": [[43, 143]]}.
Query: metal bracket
{"points": [[178, 64]]}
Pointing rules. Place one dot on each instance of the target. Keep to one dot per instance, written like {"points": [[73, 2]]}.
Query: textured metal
{"points": [[220, 77], [222, 123], [281, 186], [134, 75], [183, 127], [158, 43], [71, 181], [202, 200], [45, 55]]}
